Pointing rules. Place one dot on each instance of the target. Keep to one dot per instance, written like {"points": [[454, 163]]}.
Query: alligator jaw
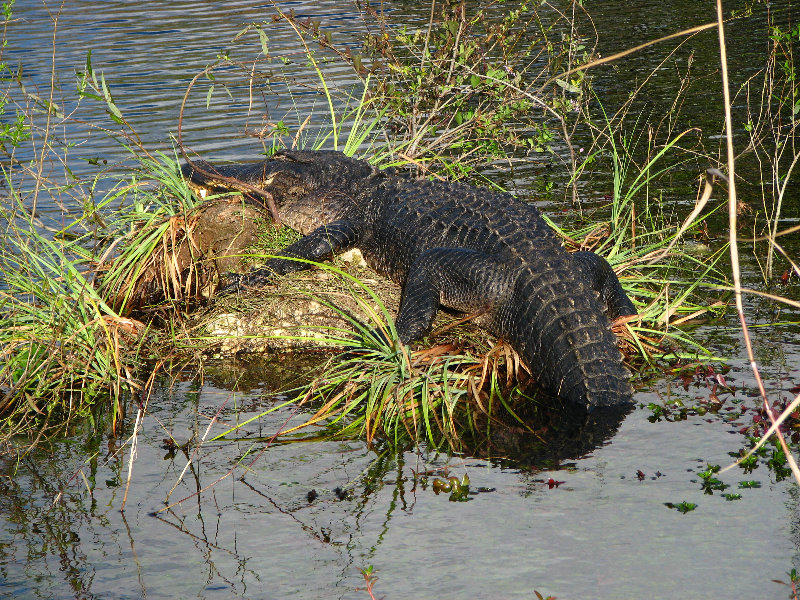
{"points": [[204, 179]]}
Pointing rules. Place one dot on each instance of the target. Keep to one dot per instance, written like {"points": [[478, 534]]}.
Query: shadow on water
{"points": [[566, 434]]}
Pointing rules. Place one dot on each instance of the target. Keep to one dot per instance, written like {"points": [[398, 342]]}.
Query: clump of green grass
{"points": [[68, 340], [150, 233], [383, 390], [62, 347], [655, 258]]}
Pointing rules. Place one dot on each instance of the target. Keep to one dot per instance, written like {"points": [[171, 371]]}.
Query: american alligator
{"points": [[454, 245]]}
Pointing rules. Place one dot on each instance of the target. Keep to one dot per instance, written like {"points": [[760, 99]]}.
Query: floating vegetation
{"points": [[682, 507]]}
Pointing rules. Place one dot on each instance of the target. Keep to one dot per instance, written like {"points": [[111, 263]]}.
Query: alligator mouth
{"points": [[199, 177], [252, 180], [205, 179], [209, 187]]}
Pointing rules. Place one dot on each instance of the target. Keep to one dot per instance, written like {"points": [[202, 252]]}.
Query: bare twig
{"points": [[269, 200], [734, 249], [618, 55], [197, 448], [132, 457]]}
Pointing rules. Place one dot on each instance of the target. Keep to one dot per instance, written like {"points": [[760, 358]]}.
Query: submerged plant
{"points": [[682, 507]]}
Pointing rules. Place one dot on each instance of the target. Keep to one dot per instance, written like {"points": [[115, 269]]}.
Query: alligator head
{"points": [[286, 177]]}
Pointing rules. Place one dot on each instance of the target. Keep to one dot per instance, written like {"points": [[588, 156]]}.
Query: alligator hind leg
{"points": [[320, 244], [466, 280], [601, 278]]}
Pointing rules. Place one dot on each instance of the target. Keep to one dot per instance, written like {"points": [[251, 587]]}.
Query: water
{"points": [[603, 532]]}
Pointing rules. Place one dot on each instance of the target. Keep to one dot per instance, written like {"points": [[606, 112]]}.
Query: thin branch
{"points": [[734, 249]]}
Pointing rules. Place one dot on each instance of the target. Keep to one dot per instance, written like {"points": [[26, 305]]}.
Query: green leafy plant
{"points": [[682, 507], [710, 483], [749, 484], [467, 88]]}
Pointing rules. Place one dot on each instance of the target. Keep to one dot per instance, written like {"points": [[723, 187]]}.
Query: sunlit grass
{"points": [[62, 347], [72, 302]]}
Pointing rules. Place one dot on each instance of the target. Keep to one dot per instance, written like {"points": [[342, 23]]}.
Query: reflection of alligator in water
{"points": [[454, 245], [562, 436]]}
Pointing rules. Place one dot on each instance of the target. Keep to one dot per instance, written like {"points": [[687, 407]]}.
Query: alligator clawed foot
{"points": [[234, 283], [230, 284]]}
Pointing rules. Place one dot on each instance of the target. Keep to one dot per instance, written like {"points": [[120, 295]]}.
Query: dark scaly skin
{"points": [[454, 245]]}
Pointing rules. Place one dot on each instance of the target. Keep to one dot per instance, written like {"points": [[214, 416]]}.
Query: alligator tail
{"points": [[566, 340]]}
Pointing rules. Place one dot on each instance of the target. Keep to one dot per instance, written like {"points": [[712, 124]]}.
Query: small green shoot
{"points": [[682, 507], [749, 484]]}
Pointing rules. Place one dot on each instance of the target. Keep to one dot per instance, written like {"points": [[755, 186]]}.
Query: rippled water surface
{"points": [[584, 521], [600, 533]]}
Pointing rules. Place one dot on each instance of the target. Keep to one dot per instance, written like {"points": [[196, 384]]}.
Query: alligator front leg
{"points": [[466, 280], [321, 244], [602, 279]]}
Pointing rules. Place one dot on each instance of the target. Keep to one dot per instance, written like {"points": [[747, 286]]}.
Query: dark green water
{"points": [[603, 532]]}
